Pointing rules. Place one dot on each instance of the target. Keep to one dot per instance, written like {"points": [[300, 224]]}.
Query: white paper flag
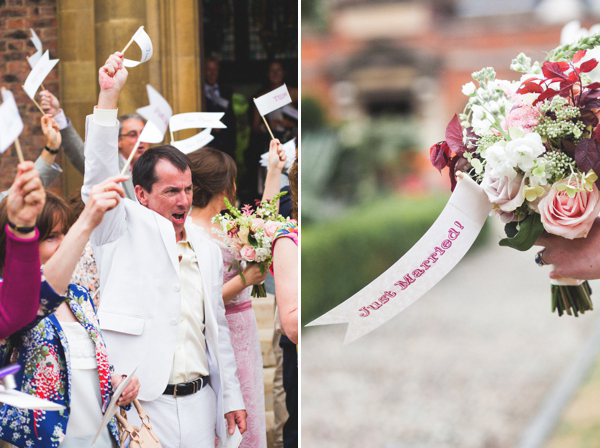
{"points": [[158, 113], [37, 43], [196, 120], [38, 74], [11, 124], [424, 265], [191, 144], [112, 406], [273, 100], [145, 44], [290, 155]]}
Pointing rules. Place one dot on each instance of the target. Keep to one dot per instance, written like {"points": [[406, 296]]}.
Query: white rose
{"points": [[506, 193], [523, 151], [498, 165], [468, 89], [261, 254]]}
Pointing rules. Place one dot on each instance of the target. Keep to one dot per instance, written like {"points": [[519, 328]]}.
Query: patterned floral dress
{"points": [[42, 351], [248, 356]]}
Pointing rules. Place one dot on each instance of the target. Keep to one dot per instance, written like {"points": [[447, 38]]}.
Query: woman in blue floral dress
{"points": [[62, 352]]}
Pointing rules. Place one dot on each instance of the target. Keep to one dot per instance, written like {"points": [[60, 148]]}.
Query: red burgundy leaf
{"points": [[587, 155], [577, 56], [588, 66], [597, 134], [549, 93], [554, 69], [454, 136], [568, 147], [530, 87], [439, 154], [593, 85]]}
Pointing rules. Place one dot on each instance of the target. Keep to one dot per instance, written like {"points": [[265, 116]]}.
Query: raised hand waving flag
{"points": [[145, 43]]}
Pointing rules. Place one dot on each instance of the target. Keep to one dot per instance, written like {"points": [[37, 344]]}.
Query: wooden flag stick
{"points": [[19, 152], [133, 151], [172, 136], [268, 128], [128, 44], [43, 88], [38, 106], [266, 124]]}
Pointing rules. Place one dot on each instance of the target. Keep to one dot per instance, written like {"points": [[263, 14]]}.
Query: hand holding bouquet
{"points": [[534, 147], [249, 235]]}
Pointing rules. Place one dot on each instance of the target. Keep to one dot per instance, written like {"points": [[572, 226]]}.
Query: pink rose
{"points": [[506, 193], [248, 253], [258, 223], [569, 217], [271, 227]]}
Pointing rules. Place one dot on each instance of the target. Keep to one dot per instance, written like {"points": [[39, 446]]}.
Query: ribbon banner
{"points": [[37, 43], [422, 267], [273, 100], [11, 124], [191, 144], [158, 113], [145, 43], [38, 74], [289, 148], [196, 120]]}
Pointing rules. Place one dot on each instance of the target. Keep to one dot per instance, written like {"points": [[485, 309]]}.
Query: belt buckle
{"points": [[175, 390]]}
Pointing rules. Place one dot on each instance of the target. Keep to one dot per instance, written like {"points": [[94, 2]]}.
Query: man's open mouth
{"points": [[178, 216]]}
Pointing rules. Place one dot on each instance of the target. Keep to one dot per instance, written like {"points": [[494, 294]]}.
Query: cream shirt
{"points": [[189, 361]]}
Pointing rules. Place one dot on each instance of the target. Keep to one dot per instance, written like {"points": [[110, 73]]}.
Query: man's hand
{"points": [[26, 197], [236, 418], [51, 132], [277, 156], [578, 258], [49, 103], [111, 77]]}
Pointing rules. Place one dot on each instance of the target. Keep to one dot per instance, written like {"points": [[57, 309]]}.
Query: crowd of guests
{"points": [[133, 279]]}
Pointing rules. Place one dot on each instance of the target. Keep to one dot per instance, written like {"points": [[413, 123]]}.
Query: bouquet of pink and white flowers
{"points": [[249, 235], [534, 147]]}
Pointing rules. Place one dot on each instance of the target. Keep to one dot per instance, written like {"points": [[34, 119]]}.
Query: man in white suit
{"points": [[161, 278]]}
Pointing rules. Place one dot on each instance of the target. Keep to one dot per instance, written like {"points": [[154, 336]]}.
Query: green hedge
{"points": [[340, 257]]}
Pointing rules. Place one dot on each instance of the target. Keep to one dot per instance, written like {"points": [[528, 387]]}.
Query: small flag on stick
{"points": [[11, 124], [145, 43], [158, 113], [37, 76], [272, 101]]}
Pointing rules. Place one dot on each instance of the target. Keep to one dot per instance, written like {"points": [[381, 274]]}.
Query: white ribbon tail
{"points": [[422, 267]]}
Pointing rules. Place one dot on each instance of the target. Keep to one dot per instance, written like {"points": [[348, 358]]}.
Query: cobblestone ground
{"points": [[466, 366]]}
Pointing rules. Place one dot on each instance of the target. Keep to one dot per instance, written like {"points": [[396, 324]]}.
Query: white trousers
{"points": [[182, 422]]}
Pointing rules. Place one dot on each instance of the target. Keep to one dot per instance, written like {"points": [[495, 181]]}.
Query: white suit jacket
{"points": [[135, 250]]}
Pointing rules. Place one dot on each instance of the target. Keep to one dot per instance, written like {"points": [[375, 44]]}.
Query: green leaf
{"points": [[522, 236]]}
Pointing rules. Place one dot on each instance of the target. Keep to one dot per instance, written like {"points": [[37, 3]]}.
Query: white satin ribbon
{"points": [[425, 264]]}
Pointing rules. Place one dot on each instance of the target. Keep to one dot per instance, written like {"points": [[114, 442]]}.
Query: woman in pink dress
{"points": [[213, 176]]}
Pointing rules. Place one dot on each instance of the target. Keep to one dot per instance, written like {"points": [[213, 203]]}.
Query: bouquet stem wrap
{"points": [[571, 296]]}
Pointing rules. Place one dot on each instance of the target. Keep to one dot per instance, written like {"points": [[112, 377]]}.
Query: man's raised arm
{"points": [[101, 145]]}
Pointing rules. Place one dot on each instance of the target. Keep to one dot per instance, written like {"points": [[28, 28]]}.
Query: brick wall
{"points": [[16, 18]]}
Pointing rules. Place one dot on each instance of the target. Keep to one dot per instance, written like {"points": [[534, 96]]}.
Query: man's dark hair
{"points": [[144, 173]]}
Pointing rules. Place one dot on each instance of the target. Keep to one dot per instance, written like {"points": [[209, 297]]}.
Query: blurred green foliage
{"points": [[341, 256]]}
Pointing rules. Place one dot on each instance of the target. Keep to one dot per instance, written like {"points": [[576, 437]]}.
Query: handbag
{"points": [[142, 437]]}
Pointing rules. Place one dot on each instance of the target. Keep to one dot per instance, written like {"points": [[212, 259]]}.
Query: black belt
{"points": [[182, 389]]}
